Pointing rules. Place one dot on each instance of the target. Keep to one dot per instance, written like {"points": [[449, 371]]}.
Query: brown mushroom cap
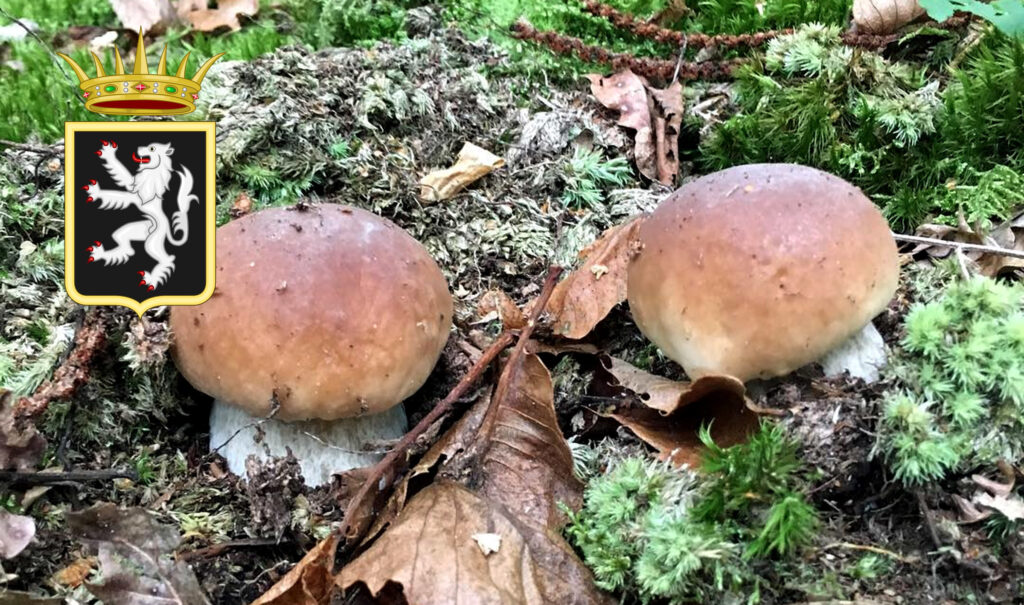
{"points": [[337, 311], [757, 270]]}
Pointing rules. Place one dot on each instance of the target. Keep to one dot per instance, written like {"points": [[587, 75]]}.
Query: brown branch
{"points": [[383, 475], [51, 478], [218, 549], [645, 29], [931, 241], [72, 373], [644, 66], [43, 149]]}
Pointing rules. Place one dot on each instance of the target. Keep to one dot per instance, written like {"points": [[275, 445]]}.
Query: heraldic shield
{"points": [[139, 213]]}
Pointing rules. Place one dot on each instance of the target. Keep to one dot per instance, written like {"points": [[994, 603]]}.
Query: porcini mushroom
{"points": [[757, 270], [326, 317]]}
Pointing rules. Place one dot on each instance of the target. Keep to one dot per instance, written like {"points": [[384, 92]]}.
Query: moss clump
{"points": [[660, 533], [960, 375]]}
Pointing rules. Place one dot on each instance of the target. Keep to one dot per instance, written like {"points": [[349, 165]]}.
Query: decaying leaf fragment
{"points": [[655, 114], [673, 412], [473, 163], [521, 469], [16, 532], [225, 15], [147, 15], [884, 16], [587, 295], [136, 555], [310, 582]]}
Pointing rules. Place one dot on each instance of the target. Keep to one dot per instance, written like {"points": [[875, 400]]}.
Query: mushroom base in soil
{"points": [[324, 320], [322, 447]]}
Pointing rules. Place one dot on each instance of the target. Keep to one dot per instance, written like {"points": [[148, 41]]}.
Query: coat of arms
{"points": [[139, 196]]}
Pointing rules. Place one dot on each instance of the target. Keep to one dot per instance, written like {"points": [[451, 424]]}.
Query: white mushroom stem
{"points": [[862, 355], [322, 447]]}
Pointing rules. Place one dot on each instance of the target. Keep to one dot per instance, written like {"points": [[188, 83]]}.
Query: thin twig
{"points": [[910, 560], [50, 478], [376, 478], [383, 475], [43, 149], [961, 245], [216, 549]]}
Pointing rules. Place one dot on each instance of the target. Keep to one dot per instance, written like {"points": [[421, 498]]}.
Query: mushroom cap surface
{"points": [[333, 310], [756, 270]]}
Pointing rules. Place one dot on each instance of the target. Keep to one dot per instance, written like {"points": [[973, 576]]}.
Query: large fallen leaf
{"points": [[16, 531], [473, 163], [21, 445], [581, 300], [655, 115], [147, 15], [310, 582], [225, 15], [136, 555], [514, 469], [673, 412], [884, 16]]}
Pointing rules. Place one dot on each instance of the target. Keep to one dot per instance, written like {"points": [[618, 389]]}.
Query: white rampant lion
{"points": [[144, 190]]}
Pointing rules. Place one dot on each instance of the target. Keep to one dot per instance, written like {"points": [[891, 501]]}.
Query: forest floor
{"points": [[361, 125]]}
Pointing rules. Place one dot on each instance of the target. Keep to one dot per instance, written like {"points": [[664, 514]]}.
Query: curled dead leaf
{"points": [[1008, 235], [74, 574], [21, 445], [585, 297], [673, 412], [884, 16], [473, 163], [665, 395], [655, 114]]}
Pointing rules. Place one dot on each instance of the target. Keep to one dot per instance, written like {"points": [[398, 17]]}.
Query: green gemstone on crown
{"points": [[171, 89], [110, 88]]}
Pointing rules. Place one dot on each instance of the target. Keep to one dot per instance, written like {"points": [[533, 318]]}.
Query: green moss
{"points": [[661, 533], [959, 402], [58, 15]]}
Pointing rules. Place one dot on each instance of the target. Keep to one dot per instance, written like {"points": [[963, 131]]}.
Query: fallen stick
{"points": [[51, 478], [383, 474], [961, 245], [217, 549]]}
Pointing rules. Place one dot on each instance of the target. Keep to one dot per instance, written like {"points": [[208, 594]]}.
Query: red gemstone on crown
{"points": [[194, 96], [141, 87], [86, 95]]}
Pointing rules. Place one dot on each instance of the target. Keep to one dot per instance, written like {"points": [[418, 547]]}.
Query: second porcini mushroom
{"points": [[757, 270], [325, 318]]}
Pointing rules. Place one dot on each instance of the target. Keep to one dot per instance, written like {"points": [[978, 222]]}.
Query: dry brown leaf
{"points": [[184, 7], [586, 296], [503, 308], [310, 582], [674, 412], [1009, 235], [225, 15], [21, 447], [884, 16], [73, 575], [241, 206], [521, 468], [665, 395], [473, 164], [148, 15], [655, 115], [16, 532]]}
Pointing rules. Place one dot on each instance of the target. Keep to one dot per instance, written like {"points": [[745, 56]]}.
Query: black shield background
{"points": [[91, 223]]}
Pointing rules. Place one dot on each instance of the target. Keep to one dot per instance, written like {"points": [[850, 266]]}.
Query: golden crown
{"points": [[140, 92]]}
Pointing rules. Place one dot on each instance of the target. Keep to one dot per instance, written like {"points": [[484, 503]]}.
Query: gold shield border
{"points": [[70, 128]]}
